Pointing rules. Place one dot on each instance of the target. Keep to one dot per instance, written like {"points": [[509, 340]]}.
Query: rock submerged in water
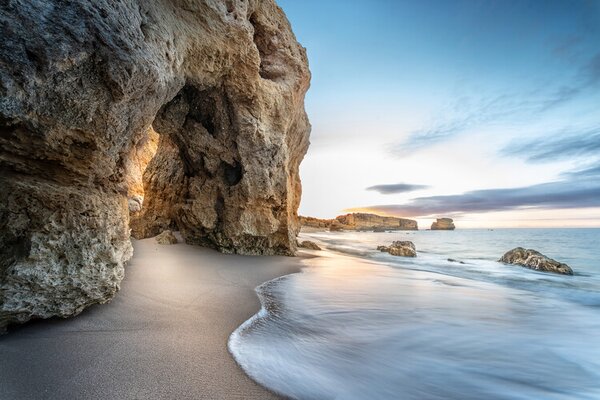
{"points": [[166, 237], [401, 248], [307, 244], [443, 224], [533, 259]]}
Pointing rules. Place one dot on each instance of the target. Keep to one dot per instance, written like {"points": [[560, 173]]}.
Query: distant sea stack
{"points": [[361, 222], [443, 224]]}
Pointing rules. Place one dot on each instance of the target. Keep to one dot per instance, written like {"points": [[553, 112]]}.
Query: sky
{"points": [[484, 111]]}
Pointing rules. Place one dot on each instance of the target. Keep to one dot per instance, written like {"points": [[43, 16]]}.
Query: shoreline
{"points": [[165, 334], [327, 331]]}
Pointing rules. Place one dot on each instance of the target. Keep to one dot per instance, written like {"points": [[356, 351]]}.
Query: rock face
{"points": [[400, 248], [307, 244], [361, 221], [443, 224], [135, 165], [166, 237], [83, 86], [535, 260]]}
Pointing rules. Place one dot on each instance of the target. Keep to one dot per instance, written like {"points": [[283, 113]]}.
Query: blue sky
{"points": [[487, 111]]}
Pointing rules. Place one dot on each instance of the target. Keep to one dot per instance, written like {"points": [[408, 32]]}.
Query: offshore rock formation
{"points": [[360, 222], [533, 259], [82, 87], [443, 224], [401, 248]]}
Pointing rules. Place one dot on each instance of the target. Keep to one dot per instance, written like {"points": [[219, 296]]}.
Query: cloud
{"points": [[396, 188], [501, 109], [563, 145], [474, 113], [578, 191], [585, 173]]}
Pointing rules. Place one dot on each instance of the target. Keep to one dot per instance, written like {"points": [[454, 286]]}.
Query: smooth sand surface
{"points": [[163, 337]]}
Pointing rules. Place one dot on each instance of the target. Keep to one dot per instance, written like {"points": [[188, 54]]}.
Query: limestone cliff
{"points": [[313, 222], [372, 221], [81, 86], [443, 224], [360, 221]]}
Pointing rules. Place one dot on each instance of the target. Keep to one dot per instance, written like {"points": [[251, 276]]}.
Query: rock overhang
{"points": [[83, 82]]}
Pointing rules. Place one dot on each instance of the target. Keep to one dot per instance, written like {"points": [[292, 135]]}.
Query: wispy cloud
{"points": [[396, 188], [502, 108], [577, 190], [589, 172], [562, 145]]}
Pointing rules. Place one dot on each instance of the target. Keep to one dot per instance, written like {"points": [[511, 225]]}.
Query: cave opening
{"points": [[186, 168], [141, 154]]}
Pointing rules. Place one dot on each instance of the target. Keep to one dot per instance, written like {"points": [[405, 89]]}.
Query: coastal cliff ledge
{"points": [[360, 221], [82, 86]]}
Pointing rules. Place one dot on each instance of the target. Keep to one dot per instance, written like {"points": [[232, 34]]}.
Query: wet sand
{"points": [[163, 337]]}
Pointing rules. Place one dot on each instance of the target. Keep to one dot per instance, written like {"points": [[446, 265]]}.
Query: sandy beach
{"points": [[163, 337]]}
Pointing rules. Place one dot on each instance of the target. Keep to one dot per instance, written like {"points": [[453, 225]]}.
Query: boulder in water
{"points": [[401, 248], [533, 259]]}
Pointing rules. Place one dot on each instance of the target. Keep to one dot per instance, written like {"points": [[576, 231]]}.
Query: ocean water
{"points": [[360, 324]]}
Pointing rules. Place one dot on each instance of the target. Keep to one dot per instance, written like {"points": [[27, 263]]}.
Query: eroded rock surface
{"points": [[166, 237], [535, 260], [81, 86], [309, 244], [401, 248]]}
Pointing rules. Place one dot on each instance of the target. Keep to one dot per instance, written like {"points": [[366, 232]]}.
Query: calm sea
{"points": [[359, 324]]}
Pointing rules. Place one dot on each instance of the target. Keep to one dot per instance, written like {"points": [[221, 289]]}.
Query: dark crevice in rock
{"points": [[230, 6], [232, 174], [13, 249], [266, 40]]}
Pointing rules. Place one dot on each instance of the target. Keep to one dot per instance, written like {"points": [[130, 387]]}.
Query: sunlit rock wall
{"points": [[81, 85]]}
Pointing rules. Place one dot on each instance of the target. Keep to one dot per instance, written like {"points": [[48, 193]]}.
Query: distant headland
{"points": [[370, 222]]}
